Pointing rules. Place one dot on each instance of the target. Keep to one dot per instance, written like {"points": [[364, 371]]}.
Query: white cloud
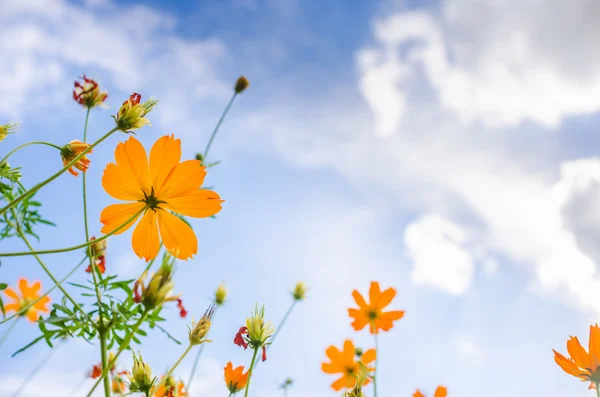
{"points": [[436, 247], [488, 61]]}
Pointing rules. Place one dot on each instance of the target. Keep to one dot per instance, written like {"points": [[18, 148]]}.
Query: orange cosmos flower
{"points": [[72, 150], [171, 388], [582, 364], [372, 313], [235, 379], [156, 188], [344, 362], [441, 391], [29, 294]]}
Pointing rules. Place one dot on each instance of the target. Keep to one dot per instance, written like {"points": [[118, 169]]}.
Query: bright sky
{"points": [[445, 148]]}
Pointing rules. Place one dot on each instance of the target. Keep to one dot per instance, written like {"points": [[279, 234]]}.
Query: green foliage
{"points": [[8, 174], [3, 286], [27, 216]]}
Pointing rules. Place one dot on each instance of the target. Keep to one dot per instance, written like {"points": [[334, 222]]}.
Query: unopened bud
{"points": [[199, 330], [241, 84], [141, 376], [220, 294], [299, 291]]}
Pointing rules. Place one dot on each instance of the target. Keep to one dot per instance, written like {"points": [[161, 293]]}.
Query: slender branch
{"points": [[280, 326], [8, 331], [24, 310], [376, 361], [250, 371], [214, 133], [86, 244], [164, 379], [35, 371], [48, 272], [122, 346], [28, 144], [57, 174]]}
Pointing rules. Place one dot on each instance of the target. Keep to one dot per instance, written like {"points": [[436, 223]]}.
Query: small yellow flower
{"points": [[299, 291], [141, 379], [7, 129], [72, 150], [88, 94], [199, 330], [131, 114], [241, 84], [220, 294]]}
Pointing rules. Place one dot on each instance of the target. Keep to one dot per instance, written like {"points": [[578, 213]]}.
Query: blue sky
{"points": [[445, 148]]}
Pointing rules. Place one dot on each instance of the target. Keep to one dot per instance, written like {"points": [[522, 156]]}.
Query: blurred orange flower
{"points": [[72, 150], [441, 391], [157, 187], [171, 389], [344, 362], [235, 379], [582, 364], [372, 313], [28, 295]]}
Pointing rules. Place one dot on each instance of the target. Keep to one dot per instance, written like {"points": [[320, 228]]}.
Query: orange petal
{"points": [[184, 179], [32, 315], [360, 320], [578, 353], [594, 347], [131, 155], [369, 356], [120, 183], [331, 368], [386, 298], [341, 383], [12, 307], [567, 365], [115, 215], [144, 240], [358, 298], [179, 239], [374, 293], [418, 394], [200, 204], [41, 304], [333, 353], [11, 294], [33, 291], [441, 391], [164, 155], [24, 287], [384, 324]]}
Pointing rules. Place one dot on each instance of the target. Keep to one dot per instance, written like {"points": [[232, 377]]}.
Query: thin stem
{"points": [[7, 332], [76, 389], [214, 133], [281, 323], [250, 370], [376, 360], [597, 389], [35, 371], [230, 394], [28, 144], [164, 379], [48, 272], [197, 359], [57, 174], [122, 346], [102, 337], [24, 310], [86, 244]]}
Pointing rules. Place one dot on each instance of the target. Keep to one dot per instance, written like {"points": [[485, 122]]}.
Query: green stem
{"points": [[598, 389], [281, 323], [230, 394], [376, 360], [48, 272], [199, 354], [28, 144], [35, 371], [122, 346], [102, 337], [214, 133], [57, 174], [7, 332], [250, 371], [86, 244], [164, 379], [24, 310]]}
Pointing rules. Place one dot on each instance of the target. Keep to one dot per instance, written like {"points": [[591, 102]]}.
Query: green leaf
{"points": [[36, 340], [3, 286]]}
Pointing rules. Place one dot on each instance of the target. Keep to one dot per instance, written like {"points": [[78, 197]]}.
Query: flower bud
{"points": [[159, 287], [131, 114], [200, 158], [141, 376], [299, 291], [259, 331], [220, 294], [87, 93], [7, 129], [70, 151], [199, 330], [241, 84]]}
